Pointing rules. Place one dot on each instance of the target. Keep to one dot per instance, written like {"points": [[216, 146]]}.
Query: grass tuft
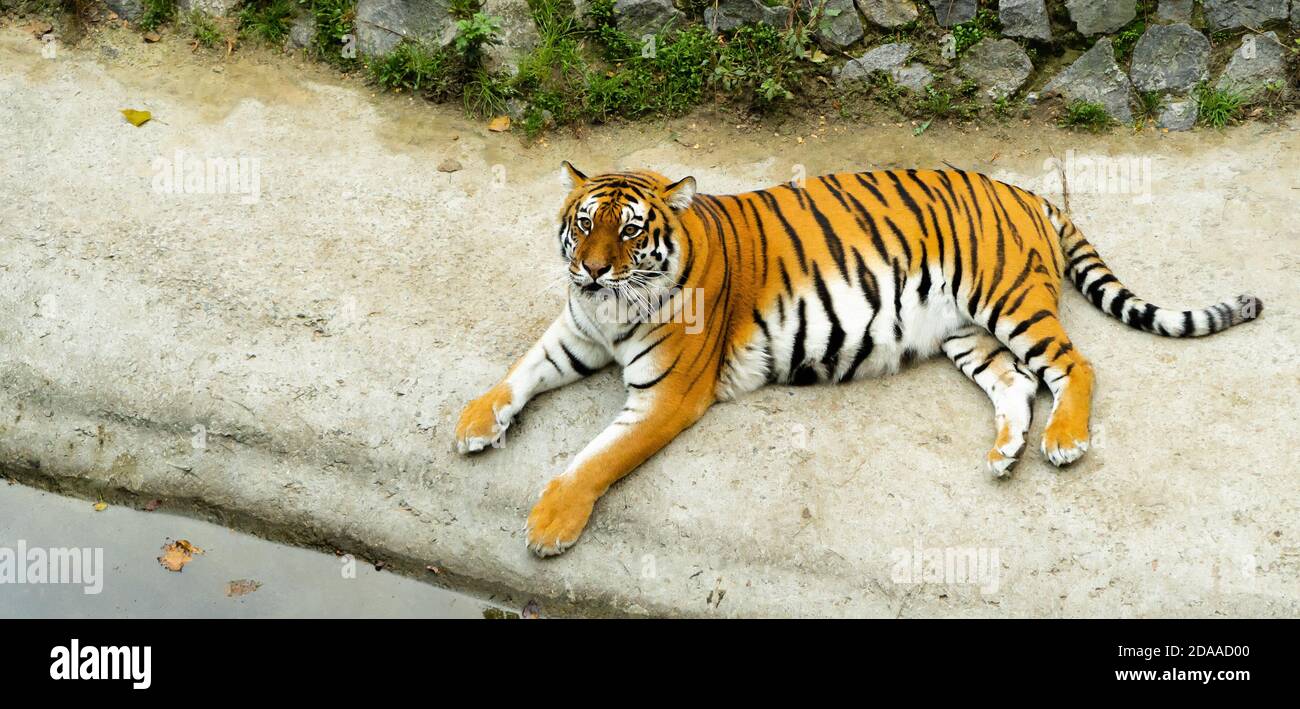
{"points": [[1218, 108], [266, 20], [1086, 115]]}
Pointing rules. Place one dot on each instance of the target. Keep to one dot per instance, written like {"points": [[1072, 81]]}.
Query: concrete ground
{"points": [[294, 367]]}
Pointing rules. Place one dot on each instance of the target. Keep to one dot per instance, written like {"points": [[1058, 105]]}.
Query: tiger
{"points": [[834, 279]]}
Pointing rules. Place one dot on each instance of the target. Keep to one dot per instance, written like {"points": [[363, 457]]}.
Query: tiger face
{"points": [[619, 232]]}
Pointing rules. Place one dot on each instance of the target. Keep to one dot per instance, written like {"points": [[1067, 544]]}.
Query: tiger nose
{"points": [[595, 269]]}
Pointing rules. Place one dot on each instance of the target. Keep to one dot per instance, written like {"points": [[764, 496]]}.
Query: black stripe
{"points": [[1095, 293], [1028, 323], [1039, 348], [1117, 304], [833, 243], [762, 324], [1149, 318], [923, 290], [624, 337], [552, 361], [797, 352], [643, 352], [775, 206], [836, 338], [577, 364], [898, 302], [906, 196], [656, 380]]}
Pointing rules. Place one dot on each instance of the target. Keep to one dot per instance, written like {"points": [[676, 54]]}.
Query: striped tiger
{"points": [[846, 276]]}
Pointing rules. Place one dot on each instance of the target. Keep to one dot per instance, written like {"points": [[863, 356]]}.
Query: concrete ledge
{"points": [[325, 338]]}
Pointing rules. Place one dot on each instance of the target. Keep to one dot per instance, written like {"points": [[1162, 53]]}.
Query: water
{"points": [[295, 583]]}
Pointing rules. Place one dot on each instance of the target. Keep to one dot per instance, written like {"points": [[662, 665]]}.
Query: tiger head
{"points": [[620, 231]]}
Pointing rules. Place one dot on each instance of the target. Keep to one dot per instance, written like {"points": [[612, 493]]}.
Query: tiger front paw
{"points": [[484, 421], [558, 518]]}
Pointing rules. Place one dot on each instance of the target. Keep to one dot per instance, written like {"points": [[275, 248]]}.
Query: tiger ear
{"points": [[573, 177], [679, 194]]}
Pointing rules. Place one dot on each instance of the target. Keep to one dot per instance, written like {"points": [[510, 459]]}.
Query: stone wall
{"points": [[915, 43]]}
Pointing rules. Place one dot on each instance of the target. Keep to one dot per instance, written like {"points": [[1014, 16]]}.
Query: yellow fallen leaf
{"points": [[177, 554], [101, 506], [500, 124], [136, 118]]}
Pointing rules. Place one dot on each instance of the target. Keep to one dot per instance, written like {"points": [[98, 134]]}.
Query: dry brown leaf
{"points": [[136, 118], [152, 505], [177, 554], [242, 587], [500, 124], [152, 37]]}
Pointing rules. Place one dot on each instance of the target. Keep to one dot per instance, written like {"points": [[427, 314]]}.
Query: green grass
{"points": [[414, 67], [595, 72], [335, 24], [967, 34], [485, 94], [1149, 104], [758, 62], [157, 13], [944, 103], [446, 72], [1218, 108], [1086, 115], [266, 20], [202, 28], [1124, 40]]}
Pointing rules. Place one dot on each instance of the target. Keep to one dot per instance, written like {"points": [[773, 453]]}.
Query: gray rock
{"points": [[1025, 18], [1295, 14], [518, 34], [126, 9], [213, 8], [886, 59], [889, 13], [914, 76], [382, 24], [1178, 113], [880, 59], [730, 14], [1175, 11], [1095, 77], [1100, 16], [302, 32], [642, 17], [1000, 67], [1231, 14], [1257, 63], [954, 12], [839, 26], [1170, 58]]}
